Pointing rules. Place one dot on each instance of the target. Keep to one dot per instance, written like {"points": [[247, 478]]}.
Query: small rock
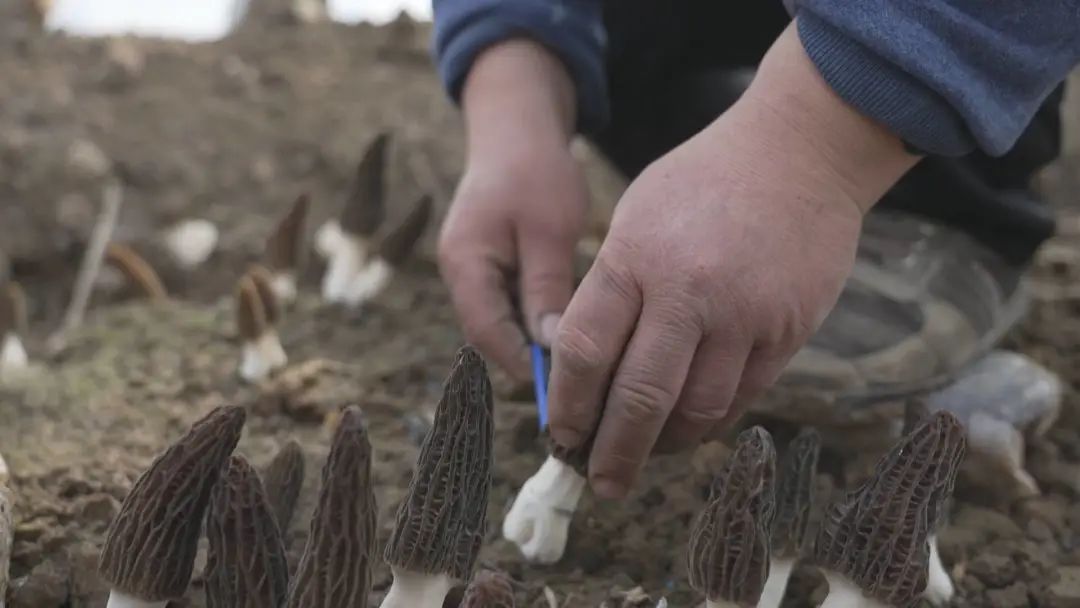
{"points": [[86, 159], [97, 507], [126, 59], [991, 524], [1038, 530], [1065, 593], [1014, 596], [48, 584], [994, 570]]}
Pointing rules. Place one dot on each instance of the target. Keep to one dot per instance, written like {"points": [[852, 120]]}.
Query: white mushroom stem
{"points": [[369, 282], [327, 238], [939, 587], [843, 594], [5, 472], [415, 590], [775, 586], [261, 357], [123, 600], [191, 242], [284, 286], [539, 520], [345, 262], [13, 357]]}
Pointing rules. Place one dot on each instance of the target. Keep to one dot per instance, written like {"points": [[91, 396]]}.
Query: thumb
{"points": [[547, 282]]}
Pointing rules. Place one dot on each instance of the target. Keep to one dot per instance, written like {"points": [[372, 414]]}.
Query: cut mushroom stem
{"points": [[150, 547], [873, 543], [256, 309], [390, 253], [441, 523], [191, 242], [539, 520], [347, 246], [284, 477], [136, 270], [13, 325], [285, 250], [728, 552]]}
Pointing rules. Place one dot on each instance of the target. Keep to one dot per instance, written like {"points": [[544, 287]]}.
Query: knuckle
{"points": [[615, 281], [576, 351], [641, 401]]}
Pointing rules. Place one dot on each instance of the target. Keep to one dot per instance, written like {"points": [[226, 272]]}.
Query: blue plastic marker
{"points": [[541, 369]]}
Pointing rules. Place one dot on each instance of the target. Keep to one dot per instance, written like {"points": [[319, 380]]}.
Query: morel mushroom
{"points": [[441, 523], [794, 499], [7, 537], [488, 590], [335, 570], [245, 561], [539, 520], [285, 250], [390, 253], [346, 245], [150, 547], [13, 326], [139, 273], [191, 242], [283, 479], [256, 310], [728, 552], [872, 544]]}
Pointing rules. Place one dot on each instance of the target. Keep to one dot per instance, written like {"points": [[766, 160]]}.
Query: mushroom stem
{"points": [[939, 587], [775, 586], [539, 520], [118, 599], [416, 590], [262, 356], [347, 254], [369, 282], [13, 357], [284, 285], [844, 594]]}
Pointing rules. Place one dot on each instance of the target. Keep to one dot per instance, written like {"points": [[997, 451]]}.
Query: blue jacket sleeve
{"points": [[947, 76], [572, 29]]}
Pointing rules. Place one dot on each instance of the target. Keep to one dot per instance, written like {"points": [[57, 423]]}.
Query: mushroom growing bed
{"points": [[233, 132]]}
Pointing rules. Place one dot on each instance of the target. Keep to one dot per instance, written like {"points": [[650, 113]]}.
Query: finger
{"points": [[763, 368], [589, 342], [706, 396], [478, 290], [643, 392], [547, 281]]}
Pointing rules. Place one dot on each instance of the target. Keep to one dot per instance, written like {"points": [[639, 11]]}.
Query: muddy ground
{"points": [[232, 132]]}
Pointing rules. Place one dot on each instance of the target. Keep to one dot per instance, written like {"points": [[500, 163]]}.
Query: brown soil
{"points": [[232, 132]]}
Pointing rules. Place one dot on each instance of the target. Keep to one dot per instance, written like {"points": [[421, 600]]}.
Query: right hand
{"points": [[519, 209]]}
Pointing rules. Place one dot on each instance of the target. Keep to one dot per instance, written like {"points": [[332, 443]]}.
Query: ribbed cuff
{"points": [[470, 26], [880, 90]]}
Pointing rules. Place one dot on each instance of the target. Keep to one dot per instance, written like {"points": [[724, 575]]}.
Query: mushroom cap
{"points": [[7, 535], [136, 269], [150, 547], [398, 243], [365, 208], [13, 318], [285, 247], [283, 479], [245, 562], [488, 589], [260, 276], [335, 569], [576, 458], [728, 552], [877, 535], [251, 321], [794, 493], [442, 521]]}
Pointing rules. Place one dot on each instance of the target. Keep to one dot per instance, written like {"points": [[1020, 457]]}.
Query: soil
{"points": [[232, 131]]}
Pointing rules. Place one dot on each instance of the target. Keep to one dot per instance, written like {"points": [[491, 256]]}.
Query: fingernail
{"points": [[608, 488], [549, 324]]}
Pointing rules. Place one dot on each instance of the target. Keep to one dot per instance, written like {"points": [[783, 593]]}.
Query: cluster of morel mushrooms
{"points": [[875, 544]]}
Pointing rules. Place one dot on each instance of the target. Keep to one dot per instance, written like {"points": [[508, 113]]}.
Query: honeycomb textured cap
{"points": [[877, 534], [398, 243], [488, 589], [335, 569], [13, 318], [442, 521], [262, 279], [285, 247], [150, 547], [283, 480], [245, 562], [794, 494], [365, 208], [728, 553], [251, 321], [136, 270]]}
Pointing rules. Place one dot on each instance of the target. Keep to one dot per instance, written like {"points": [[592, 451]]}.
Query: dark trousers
{"points": [[674, 66]]}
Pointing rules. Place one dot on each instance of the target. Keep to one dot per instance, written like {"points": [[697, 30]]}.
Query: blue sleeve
{"points": [[947, 76], [572, 29]]}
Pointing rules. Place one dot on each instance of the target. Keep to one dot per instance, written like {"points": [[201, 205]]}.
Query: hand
{"points": [[722, 259], [520, 207]]}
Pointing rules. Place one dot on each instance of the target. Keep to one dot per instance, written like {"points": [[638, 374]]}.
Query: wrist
{"points": [[517, 91], [855, 154]]}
